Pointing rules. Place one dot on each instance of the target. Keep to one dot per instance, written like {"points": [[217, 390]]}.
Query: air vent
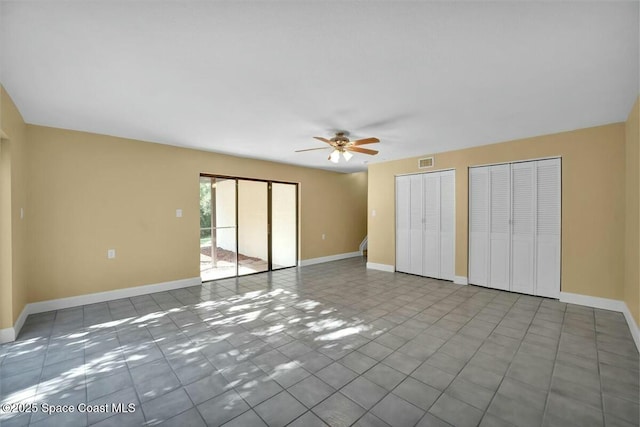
{"points": [[425, 163]]}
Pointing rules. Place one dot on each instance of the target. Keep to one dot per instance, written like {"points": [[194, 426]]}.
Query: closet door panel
{"points": [[479, 226], [548, 184], [403, 186], [416, 225], [447, 224], [523, 227], [500, 214], [431, 238]]}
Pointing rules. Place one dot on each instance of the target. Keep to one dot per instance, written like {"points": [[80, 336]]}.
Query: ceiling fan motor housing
{"points": [[340, 139]]}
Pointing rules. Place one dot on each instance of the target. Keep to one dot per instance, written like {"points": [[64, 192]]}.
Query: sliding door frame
{"points": [[269, 182]]}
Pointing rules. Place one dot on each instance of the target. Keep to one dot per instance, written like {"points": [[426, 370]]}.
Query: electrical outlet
{"points": [[323, 236], [111, 253], [178, 213]]}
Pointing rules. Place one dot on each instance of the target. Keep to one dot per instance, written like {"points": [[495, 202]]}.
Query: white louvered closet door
{"points": [[479, 226], [447, 225], [548, 183], [425, 224], [416, 225], [431, 238], [523, 188], [500, 218], [403, 186]]}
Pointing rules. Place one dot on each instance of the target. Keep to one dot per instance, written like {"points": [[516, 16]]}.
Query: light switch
{"points": [[111, 253], [373, 212], [323, 236], [178, 213], [21, 213]]}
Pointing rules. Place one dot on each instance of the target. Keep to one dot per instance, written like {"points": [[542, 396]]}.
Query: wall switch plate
{"points": [[373, 212], [178, 213], [323, 236], [21, 213], [111, 253]]}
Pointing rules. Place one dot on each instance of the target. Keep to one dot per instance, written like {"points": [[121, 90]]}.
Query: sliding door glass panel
{"points": [[283, 225], [253, 248], [218, 252]]}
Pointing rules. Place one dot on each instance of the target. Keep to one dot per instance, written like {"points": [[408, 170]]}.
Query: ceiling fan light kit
{"points": [[334, 156], [341, 144]]}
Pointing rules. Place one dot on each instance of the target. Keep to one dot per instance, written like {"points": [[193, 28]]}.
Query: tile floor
{"points": [[331, 344]]}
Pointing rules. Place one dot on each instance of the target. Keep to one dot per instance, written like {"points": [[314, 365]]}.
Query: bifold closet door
{"points": [[409, 224], [403, 233], [500, 213], [514, 227], [447, 225], [479, 226], [548, 185], [523, 227], [489, 223], [431, 236], [416, 225], [425, 224]]}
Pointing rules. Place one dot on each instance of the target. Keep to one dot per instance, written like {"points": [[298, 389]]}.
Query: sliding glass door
{"points": [[246, 226], [284, 230], [218, 248], [253, 227]]}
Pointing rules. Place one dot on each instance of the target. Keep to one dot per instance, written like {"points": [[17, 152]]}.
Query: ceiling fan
{"points": [[341, 144]]}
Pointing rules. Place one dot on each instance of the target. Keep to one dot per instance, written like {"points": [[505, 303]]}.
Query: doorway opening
{"points": [[247, 226]]}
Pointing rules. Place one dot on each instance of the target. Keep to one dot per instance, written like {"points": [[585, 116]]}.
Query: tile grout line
{"points": [[595, 333], [553, 370], [327, 299], [495, 393]]}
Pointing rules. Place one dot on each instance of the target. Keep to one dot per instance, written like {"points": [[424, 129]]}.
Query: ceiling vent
{"points": [[427, 162]]}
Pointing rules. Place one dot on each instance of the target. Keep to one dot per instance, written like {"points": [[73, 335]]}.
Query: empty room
{"points": [[319, 213]]}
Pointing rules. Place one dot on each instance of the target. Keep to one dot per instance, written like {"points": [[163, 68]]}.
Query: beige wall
{"points": [[632, 229], [13, 196], [593, 203], [89, 193]]}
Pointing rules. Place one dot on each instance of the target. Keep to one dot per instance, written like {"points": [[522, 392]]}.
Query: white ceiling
{"points": [[259, 79]]}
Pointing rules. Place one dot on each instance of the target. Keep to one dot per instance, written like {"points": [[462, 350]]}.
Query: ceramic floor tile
{"points": [[338, 411], [524, 360], [280, 410], [456, 412], [364, 392], [311, 391], [397, 411]]}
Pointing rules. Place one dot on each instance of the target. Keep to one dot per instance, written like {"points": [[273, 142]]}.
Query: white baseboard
{"points": [[595, 302], [10, 334], [337, 257], [20, 321], [605, 304], [633, 326], [460, 280], [7, 335], [381, 267]]}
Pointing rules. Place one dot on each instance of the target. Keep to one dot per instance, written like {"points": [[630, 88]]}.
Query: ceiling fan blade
{"points": [[361, 150], [311, 149], [319, 138], [366, 141]]}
